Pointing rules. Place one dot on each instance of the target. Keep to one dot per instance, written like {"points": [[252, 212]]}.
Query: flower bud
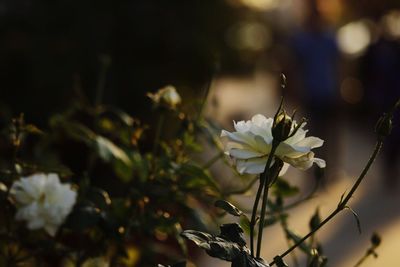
{"points": [[375, 239], [282, 127], [384, 125], [166, 96]]}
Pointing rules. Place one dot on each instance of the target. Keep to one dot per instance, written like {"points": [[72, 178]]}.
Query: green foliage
{"points": [[132, 200]]}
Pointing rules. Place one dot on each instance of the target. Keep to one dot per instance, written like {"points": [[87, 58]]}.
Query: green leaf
{"points": [[280, 262], [121, 115], [271, 220], [355, 217], [232, 232], [32, 129], [228, 207], [215, 246], [315, 220], [84, 217], [108, 151], [201, 239], [244, 222], [98, 197], [195, 177], [303, 246], [283, 188], [317, 260]]}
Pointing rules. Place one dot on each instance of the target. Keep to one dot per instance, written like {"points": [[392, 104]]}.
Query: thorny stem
{"points": [[263, 180], [264, 183], [342, 204]]}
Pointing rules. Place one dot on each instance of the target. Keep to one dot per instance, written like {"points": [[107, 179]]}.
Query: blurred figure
{"points": [[316, 60], [380, 77]]}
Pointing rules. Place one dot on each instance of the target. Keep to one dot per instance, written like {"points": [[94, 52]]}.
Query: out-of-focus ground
{"points": [[376, 204]]}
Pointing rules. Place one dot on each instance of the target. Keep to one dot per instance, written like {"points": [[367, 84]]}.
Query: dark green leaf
{"points": [[271, 220], [246, 260], [303, 246], [315, 220], [195, 177], [228, 207], [215, 246], [280, 262], [83, 217], [199, 238], [283, 188], [233, 232]]}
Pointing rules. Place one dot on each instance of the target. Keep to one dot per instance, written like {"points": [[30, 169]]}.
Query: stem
{"points": [[284, 226], [370, 251], [205, 96], [105, 61], [213, 160], [254, 213], [158, 133], [342, 204], [266, 184]]}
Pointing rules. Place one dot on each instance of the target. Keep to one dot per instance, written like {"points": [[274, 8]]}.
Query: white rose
{"points": [[42, 201], [251, 144], [167, 96]]}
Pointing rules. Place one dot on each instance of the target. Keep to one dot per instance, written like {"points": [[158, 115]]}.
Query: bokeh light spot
{"points": [[351, 90], [353, 38]]}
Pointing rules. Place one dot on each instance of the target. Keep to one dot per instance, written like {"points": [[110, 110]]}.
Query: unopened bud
{"points": [[166, 96], [384, 125], [282, 127], [375, 239]]}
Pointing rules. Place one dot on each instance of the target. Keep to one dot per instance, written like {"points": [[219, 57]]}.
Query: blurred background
{"points": [[341, 58]]}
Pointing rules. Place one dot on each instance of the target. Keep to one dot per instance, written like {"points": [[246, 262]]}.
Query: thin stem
{"points": [[266, 184], [105, 61], [370, 251], [207, 88], [158, 133], [288, 240], [243, 190], [360, 261], [342, 205], [213, 160], [263, 178], [254, 213]]}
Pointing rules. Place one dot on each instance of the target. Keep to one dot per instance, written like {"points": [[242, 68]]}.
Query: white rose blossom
{"points": [[42, 201], [251, 143]]}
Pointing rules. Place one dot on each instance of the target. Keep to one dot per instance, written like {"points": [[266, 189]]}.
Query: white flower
{"points": [[43, 202], [251, 144], [166, 96]]}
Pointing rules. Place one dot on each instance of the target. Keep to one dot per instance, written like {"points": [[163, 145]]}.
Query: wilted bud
{"points": [[375, 239], [384, 125], [282, 127], [166, 96]]}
